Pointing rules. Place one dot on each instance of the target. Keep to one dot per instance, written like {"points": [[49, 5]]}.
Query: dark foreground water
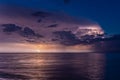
{"points": [[60, 66]]}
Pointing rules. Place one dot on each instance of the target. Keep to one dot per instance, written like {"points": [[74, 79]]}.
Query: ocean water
{"points": [[60, 66]]}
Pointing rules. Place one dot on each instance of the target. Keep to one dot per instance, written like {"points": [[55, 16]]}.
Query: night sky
{"points": [[105, 12]]}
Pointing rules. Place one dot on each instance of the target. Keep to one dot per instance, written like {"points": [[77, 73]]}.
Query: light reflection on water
{"points": [[51, 66]]}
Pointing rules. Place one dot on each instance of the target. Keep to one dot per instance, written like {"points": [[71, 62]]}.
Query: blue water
{"points": [[60, 66]]}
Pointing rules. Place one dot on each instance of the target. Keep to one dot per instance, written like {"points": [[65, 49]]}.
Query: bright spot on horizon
{"points": [[25, 47]]}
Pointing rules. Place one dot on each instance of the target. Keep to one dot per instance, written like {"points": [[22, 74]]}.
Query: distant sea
{"points": [[60, 66]]}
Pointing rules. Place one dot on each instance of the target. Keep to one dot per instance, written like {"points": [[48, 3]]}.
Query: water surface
{"points": [[60, 66]]}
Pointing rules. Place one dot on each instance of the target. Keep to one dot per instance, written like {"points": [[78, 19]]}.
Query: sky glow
{"points": [[20, 47]]}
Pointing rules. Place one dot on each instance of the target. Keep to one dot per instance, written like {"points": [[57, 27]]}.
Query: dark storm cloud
{"points": [[66, 1], [106, 12]]}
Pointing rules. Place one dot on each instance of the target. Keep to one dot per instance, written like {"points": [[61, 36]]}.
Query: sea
{"points": [[60, 66]]}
